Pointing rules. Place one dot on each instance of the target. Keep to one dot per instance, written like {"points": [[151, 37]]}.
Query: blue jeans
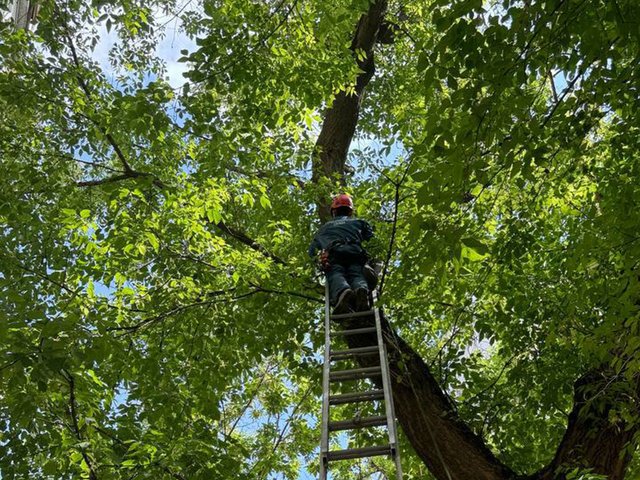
{"points": [[345, 275]]}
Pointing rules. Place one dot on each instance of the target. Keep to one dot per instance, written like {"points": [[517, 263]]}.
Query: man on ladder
{"points": [[342, 257], [344, 262]]}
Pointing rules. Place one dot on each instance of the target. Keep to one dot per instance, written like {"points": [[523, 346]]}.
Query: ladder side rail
{"points": [[324, 442], [388, 395], [395, 431], [386, 381]]}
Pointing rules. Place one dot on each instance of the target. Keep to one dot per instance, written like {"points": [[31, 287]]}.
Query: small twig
{"points": [[108, 434], [49, 279], [87, 93], [553, 87], [566, 91], [397, 184], [248, 404], [392, 238], [84, 162], [9, 364], [129, 172], [281, 435], [192, 258], [288, 422], [176, 14], [286, 292], [495, 381], [261, 42], [242, 238], [76, 427], [175, 475], [180, 308]]}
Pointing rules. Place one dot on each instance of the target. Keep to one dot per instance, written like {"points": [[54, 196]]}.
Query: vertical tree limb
{"points": [[341, 118]]}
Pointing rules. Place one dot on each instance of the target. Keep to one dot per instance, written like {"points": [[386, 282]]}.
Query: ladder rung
{"points": [[358, 453], [354, 331], [356, 397], [375, 421], [352, 352], [354, 374], [342, 316]]}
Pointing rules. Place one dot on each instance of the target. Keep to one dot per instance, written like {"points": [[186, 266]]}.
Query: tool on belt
{"points": [[323, 257]]}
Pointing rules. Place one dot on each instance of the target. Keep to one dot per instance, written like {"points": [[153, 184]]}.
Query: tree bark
{"points": [[451, 450], [341, 118], [593, 440], [446, 444]]}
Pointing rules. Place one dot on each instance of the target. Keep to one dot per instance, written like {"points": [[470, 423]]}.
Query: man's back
{"points": [[341, 230]]}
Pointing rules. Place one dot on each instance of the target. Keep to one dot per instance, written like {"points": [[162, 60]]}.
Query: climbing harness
{"points": [[377, 395], [324, 255]]}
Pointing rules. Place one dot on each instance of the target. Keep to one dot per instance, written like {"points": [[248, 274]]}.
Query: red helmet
{"points": [[342, 200]]}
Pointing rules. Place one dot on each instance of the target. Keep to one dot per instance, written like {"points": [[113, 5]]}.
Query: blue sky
{"points": [[168, 49]]}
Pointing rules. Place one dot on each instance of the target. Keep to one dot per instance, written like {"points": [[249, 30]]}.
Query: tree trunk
{"points": [[594, 440], [341, 118]]}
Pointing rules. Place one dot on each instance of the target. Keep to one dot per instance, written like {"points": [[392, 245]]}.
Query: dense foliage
{"points": [[160, 317]]}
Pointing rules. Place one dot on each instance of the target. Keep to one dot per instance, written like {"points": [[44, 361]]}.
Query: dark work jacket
{"points": [[342, 236]]}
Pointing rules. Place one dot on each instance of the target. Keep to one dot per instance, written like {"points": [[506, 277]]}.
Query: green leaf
{"points": [[265, 202], [153, 240], [476, 245], [214, 215]]}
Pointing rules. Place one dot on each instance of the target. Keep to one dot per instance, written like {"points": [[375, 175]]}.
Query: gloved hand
{"points": [[323, 261]]}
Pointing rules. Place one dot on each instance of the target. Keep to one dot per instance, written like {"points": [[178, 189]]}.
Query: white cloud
{"points": [[105, 44], [168, 49]]}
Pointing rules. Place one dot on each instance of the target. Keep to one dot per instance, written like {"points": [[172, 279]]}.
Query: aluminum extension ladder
{"points": [[384, 394]]}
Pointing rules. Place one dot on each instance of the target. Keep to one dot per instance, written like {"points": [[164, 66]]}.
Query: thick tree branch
{"points": [[103, 181], [446, 444], [117, 178], [424, 411], [448, 447], [594, 438], [341, 118]]}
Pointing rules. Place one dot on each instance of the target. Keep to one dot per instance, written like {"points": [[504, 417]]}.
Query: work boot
{"points": [[362, 299], [345, 298]]}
